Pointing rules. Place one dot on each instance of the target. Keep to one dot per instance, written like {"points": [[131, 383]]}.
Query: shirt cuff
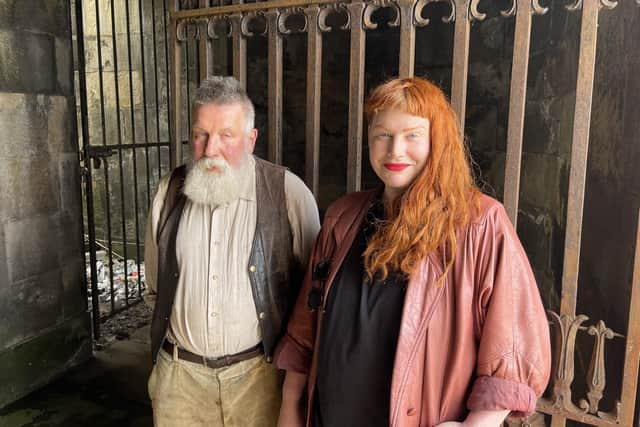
{"points": [[492, 393], [292, 357]]}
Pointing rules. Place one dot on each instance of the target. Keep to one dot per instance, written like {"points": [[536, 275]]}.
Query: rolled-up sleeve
{"points": [[514, 355]]}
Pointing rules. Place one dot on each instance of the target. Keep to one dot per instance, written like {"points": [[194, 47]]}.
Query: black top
{"points": [[358, 341]]}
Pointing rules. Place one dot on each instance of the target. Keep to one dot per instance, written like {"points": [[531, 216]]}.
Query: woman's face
{"points": [[399, 145]]}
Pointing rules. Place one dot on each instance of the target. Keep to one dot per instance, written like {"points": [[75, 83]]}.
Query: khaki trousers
{"points": [[245, 394]]}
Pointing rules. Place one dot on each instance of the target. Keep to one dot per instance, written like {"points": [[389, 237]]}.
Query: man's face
{"points": [[219, 132]]}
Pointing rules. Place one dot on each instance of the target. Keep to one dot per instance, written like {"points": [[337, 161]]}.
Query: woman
{"points": [[419, 307]]}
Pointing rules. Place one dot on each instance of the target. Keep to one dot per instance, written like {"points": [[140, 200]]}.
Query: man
{"points": [[227, 241]]}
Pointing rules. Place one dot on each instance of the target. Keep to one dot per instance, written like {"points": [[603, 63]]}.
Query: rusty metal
{"points": [[314, 82], [561, 404], [239, 7], [176, 37], [566, 327], [274, 88], [356, 97], [205, 48], [239, 48], [579, 149], [596, 376], [632, 353], [523, 11], [464, 11], [407, 38]]}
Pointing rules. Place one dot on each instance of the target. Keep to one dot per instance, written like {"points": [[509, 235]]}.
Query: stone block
{"points": [[32, 246], [69, 185], [28, 62], [123, 46], [538, 134], [74, 296], [544, 183], [34, 363], [64, 62], [91, 54], [29, 306], [69, 230], [42, 16], [59, 124], [27, 187], [23, 119]]}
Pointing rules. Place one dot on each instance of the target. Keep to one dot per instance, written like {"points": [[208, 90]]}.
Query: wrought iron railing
{"points": [[235, 18]]}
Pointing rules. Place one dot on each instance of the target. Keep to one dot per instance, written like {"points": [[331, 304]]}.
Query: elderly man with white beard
{"points": [[227, 242]]}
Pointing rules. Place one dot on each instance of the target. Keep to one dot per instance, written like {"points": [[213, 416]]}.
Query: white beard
{"points": [[216, 188]]}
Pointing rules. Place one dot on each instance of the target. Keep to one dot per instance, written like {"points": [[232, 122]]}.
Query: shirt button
{"points": [[214, 277], [261, 315], [252, 268], [175, 275], [269, 359], [214, 314], [411, 412]]}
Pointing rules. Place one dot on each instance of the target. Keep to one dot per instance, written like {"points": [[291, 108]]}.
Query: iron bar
{"points": [[577, 173], [517, 103], [274, 87], [175, 71], [239, 48], [186, 74], [356, 97], [314, 82], [460, 59], [144, 108], [104, 143], [407, 38], [134, 158], [205, 47], [91, 229], [155, 81], [121, 168]]}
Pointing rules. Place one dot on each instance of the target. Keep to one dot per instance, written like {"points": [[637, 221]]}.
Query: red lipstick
{"points": [[396, 167]]}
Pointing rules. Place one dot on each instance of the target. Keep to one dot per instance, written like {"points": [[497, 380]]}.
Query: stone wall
{"points": [[44, 323]]}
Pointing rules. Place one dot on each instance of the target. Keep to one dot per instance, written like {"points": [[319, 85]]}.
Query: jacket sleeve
{"points": [[295, 349], [514, 353]]}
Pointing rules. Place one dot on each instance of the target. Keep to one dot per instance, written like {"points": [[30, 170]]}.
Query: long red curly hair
{"points": [[441, 198]]}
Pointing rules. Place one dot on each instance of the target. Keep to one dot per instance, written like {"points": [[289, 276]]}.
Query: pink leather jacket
{"points": [[479, 340]]}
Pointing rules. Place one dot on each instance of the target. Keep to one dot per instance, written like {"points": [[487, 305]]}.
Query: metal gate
{"points": [[122, 92], [196, 25]]}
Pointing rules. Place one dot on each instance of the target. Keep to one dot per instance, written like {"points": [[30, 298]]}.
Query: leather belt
{"points": [[214, 362]]}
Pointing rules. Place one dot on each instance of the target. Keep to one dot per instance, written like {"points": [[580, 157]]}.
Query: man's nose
{"points": [[213, 147]]}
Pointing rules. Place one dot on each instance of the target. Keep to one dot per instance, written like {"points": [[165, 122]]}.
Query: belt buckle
{"points": [[226, 360]]}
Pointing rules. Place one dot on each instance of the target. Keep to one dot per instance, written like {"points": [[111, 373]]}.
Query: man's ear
{"points": [[251, 140]]}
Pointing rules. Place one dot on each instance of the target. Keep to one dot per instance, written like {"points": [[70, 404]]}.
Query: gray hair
{"points": [[225, 90]]}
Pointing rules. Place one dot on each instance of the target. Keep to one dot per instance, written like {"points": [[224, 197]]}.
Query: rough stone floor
{"points": [[109, 390]]}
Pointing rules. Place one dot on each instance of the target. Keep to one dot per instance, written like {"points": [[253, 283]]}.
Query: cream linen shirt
{"points": [[214, 312]]}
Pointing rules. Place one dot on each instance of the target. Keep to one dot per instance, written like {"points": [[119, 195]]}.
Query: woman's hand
{"points": [[291, 409], [480, 419], [290, 415]]}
